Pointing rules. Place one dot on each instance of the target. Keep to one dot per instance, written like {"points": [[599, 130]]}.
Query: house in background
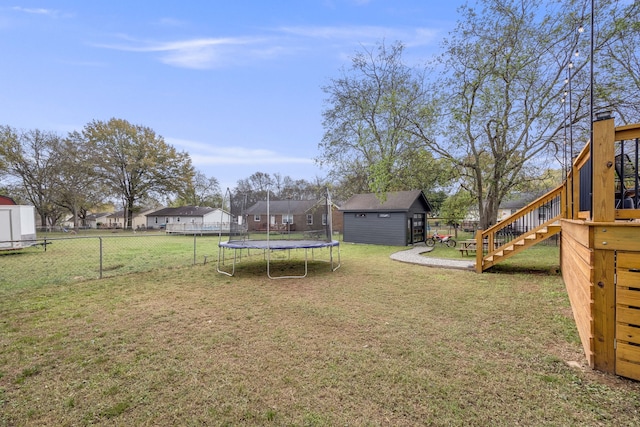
{"points": [[96, 220], [163, 218], [515, 203], [291, 215], [139, 220], [399, 220]]}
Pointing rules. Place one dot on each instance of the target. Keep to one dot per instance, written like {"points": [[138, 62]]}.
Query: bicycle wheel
{"points": [[430, 242], [451, 243]]}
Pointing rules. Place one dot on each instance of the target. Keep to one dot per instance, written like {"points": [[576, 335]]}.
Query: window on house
{"points": [[287, 219], [309, 219], [324, 219], [256, 218]]}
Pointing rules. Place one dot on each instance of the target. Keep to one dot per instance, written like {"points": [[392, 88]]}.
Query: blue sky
{"points": [[236, 84]]}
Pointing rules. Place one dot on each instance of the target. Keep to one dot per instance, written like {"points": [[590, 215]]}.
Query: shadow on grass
{"points": [[550, 270]]}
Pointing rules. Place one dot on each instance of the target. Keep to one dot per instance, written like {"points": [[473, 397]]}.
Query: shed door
{"points": [[628, 315], [417, 228]]}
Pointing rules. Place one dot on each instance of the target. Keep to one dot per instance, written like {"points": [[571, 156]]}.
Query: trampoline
{"points": [[240, 238]]}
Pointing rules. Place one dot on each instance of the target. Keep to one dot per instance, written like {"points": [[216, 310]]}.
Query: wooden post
{"points": [[603, 311], [603, 210], [603, 171], [479, 250]]}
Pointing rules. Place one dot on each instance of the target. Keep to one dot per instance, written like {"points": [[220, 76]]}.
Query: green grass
{"points": [[376, 342], [542, 258], [71, 259]]}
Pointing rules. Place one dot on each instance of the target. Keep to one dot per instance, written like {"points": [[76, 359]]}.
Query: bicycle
{"points": [[443, 239]]}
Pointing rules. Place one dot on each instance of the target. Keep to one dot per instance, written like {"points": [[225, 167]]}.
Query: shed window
{"points": [[361, 215], [384, 215]]}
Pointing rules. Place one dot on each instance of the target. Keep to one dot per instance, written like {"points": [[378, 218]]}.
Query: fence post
{"points": [[100, 239]]}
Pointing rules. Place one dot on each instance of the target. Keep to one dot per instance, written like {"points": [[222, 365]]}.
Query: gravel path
{"points": [[413, 256]]}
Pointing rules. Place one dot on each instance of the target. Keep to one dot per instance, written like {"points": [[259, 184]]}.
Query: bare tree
{"points": [[367, 139], [31, 158]]}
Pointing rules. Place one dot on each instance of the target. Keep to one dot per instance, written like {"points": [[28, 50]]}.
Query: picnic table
{"points": [[466, 246], [469, 245]]}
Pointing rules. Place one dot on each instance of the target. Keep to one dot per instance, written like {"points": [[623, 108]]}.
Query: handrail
{"points": [[537, 203], [627, 132], [487, 238], [566, 196]]}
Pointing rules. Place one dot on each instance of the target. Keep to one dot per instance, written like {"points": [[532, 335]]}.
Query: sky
{"points": [[236, 84]]}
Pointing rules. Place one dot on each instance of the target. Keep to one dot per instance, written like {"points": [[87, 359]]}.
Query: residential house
{"points": [[291, 215], [139, 220], [97, 220], [515, 203], [164, 218]]}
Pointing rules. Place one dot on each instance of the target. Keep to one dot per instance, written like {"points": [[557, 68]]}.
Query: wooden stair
{"points": [[552, 202], [521, 243]]}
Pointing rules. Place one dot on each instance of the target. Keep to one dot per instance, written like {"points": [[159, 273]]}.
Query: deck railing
{"points": [[617, 191], [615, 186]]}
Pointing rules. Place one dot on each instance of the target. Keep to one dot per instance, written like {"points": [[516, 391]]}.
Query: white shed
{"points": [[17, 226]]}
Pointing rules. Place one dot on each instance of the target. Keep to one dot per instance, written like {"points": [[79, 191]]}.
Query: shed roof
{"points": [[395, 201], [6, 200]]}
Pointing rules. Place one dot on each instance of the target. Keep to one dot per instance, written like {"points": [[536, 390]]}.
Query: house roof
{"points": [[395, 201], [520, 200], [183, 211], [293, 207], [120, 213], [94, 216]]}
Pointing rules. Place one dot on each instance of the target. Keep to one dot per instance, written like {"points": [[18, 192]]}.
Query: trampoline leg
{"points": [[233, 268]]}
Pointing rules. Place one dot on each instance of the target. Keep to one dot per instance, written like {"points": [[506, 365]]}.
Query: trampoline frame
{"points": [[283, 245], [267, 246]]}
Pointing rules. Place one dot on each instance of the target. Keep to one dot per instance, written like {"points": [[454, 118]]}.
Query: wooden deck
{"points": [[600, 248]]}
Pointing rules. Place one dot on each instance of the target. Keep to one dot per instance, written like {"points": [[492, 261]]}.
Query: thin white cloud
{"points": [[199, 53], [209, 155], [36, 11], [219, 52]]}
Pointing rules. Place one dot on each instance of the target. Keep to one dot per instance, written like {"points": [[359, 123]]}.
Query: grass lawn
{"points": [[376, 342]]}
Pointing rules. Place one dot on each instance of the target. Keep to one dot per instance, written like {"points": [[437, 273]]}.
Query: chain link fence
{"points": [[66, 259]]}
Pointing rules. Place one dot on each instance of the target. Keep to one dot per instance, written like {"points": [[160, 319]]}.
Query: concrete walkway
{"points": [[413, 256]]}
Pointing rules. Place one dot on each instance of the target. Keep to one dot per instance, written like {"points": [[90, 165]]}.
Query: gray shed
{"points": [[398, 221]]}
